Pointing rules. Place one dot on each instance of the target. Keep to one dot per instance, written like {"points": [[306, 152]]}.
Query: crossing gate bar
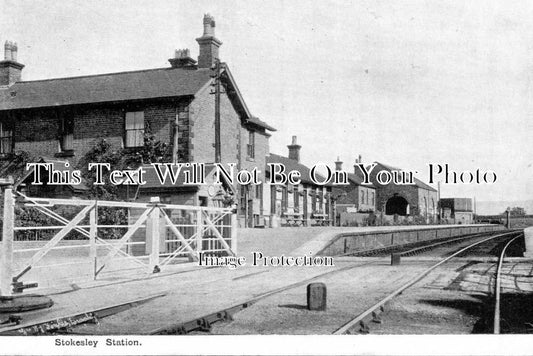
{"points": [[75, 239]]}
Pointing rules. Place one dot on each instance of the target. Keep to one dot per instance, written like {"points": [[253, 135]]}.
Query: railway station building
{"points": [[64, 118], [305, 204]]}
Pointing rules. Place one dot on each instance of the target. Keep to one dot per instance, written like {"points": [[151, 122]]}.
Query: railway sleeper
{"points": [[376, 315], [372, 312]]}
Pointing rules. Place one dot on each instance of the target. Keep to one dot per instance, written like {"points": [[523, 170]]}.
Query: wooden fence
{"points": [[78, 239]]}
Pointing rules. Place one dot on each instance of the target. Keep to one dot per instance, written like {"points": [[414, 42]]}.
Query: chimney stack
{"points": [[10, 69], [355, 167], [338, 164], [294, 150], [182, 58], [209, 44]]}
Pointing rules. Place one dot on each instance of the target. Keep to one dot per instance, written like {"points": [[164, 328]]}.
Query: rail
{"points": [[344, 329], [497, 287]]}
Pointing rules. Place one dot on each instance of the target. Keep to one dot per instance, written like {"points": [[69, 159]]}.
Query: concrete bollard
{"points": [[528, 237], [395, 259], [316, 296]]}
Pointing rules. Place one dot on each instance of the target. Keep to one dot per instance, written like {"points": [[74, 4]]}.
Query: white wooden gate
{"points": [[71, 240]]}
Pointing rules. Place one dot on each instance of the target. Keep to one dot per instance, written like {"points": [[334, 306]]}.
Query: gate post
{"points": [[233, 243], [6, 256], [154, 235], [199, 228], [93, 215]]}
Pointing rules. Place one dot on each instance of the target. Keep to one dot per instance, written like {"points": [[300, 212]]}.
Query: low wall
{"points": [[353, 219], [346, 242]]}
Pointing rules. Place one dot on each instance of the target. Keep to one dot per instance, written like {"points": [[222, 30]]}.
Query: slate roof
{"points": [[114, 87], [257, 121], [417, 181], [135, 85], [356, 179], [291, 165]]}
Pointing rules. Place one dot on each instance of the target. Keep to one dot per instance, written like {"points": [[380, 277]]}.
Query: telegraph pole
{"points": [[439, 207], [217, 67]]}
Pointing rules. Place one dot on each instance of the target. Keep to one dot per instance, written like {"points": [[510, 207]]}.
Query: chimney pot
{"points": [[208, 43], [338, 164], [10, 69], [14, 50], [182, 58], [355, 167], [7, 51], [209, 25]]}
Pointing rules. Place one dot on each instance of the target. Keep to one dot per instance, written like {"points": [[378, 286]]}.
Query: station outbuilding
{"points": [[456, 210], [416, 200]]}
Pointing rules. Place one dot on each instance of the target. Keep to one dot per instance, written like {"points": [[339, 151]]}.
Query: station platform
{"points": [[334, 241]]}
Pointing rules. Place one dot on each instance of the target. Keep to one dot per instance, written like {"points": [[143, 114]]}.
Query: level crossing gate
{"points": [[48, 242]]}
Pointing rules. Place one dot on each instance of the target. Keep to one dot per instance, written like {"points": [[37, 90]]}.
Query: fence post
{"points": [[234, 233], [154, 235], [199, 229], [6, 256], [93, 216]]}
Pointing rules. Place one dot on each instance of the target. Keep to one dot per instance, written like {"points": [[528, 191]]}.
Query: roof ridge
{"points": [[102, 75]]}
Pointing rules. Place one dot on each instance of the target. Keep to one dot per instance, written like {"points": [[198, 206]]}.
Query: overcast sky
{"points": [[405, 83]]}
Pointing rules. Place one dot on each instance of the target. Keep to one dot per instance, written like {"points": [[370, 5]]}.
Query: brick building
{"points": [[304, 204], [64, 118], [416, 200], [456, 210], [361, 197]]}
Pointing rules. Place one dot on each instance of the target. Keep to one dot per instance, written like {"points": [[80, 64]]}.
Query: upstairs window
{"points": [[66, 134], [6, 138], [134, 129], [251, 145]]}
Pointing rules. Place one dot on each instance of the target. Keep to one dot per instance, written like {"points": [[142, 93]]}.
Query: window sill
{"points": [[250, 159], [66, 153]]}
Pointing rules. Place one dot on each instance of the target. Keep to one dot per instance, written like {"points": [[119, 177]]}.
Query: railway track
{"points": [[204, 322], [361, 322], [497, 286]]}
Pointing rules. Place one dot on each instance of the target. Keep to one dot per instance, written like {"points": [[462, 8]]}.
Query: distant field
{"points": [[522, 222]]}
